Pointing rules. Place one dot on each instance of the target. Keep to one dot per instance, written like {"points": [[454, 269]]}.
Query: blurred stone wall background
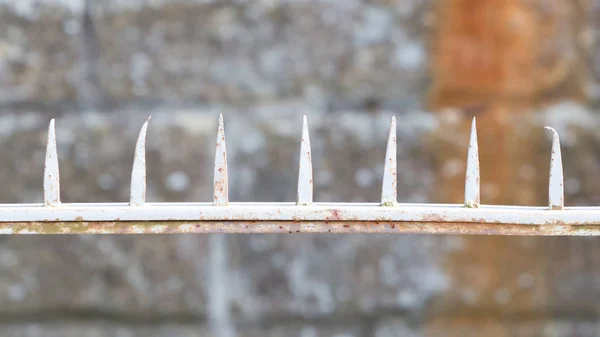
{"points": [[102, 66]]}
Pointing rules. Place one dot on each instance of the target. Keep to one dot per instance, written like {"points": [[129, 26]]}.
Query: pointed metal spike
{"points": [[472, 187], [137, 189], [51, 177], [305, 171], [221, 183], [388, 188], [556, 198]]}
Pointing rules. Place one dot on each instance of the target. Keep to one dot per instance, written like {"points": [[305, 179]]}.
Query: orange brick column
{"points": [[498, 60]]}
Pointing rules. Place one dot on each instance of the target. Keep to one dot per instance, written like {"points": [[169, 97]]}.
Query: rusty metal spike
{"points": [[556, 197], [472, 184], [305, 171], [389, 183], [51, 176], [221, 183], [137, 190]]}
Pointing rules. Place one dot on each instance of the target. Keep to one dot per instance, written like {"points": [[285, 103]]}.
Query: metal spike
{"points": [[305, 172], [388, 188], [556, 198], [472, 188], [221, 184], [137, 190], [51, 177]]}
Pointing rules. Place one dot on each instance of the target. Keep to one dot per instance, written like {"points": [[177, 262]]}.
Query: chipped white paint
{"points": [[305, 171], [137, 191], [389, 183], [556, 199], [51, 176], [361, 212], [472, 177], [4, 231], [221, 182]]}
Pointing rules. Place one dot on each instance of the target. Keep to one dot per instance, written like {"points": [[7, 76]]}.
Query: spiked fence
{"points": [[304, 216]]}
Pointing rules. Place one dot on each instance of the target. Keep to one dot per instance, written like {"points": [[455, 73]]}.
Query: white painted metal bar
{"points": [[291, 212]]}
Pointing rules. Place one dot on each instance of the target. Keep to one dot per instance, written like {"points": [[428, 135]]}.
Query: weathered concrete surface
{"points": [[338, 52], [275, 275], [522, 52], [85, 275], [383, 327], [509, 326], [40, 61], [102, 328], [347, 64]]}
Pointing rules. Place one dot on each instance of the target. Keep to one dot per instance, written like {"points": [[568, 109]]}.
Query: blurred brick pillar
{"points": [[499, 60]]}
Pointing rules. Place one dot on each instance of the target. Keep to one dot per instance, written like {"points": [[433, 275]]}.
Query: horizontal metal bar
{"points": [[320, 212], [291, 227]]}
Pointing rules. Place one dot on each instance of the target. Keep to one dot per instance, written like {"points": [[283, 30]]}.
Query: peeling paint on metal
{"points": [[556, 196], [290, 227], [221, 182]]}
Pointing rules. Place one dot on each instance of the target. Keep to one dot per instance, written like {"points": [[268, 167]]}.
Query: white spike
{"points": [[472, 184], [305, 172], [51, 176], [137, 191], [221, 182], [389, 183], [556, 198]]}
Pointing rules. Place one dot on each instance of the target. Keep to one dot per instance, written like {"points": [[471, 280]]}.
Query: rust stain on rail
{"points": [[290, 227]]}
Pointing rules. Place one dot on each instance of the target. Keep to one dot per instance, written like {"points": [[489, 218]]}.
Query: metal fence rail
{"points": [[304, 216]]}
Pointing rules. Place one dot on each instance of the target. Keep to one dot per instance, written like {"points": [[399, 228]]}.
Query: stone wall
{"points": [[101, 67]]}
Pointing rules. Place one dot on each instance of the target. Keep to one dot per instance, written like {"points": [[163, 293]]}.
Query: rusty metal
{"points": [[290, 227], [303, 216]]}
